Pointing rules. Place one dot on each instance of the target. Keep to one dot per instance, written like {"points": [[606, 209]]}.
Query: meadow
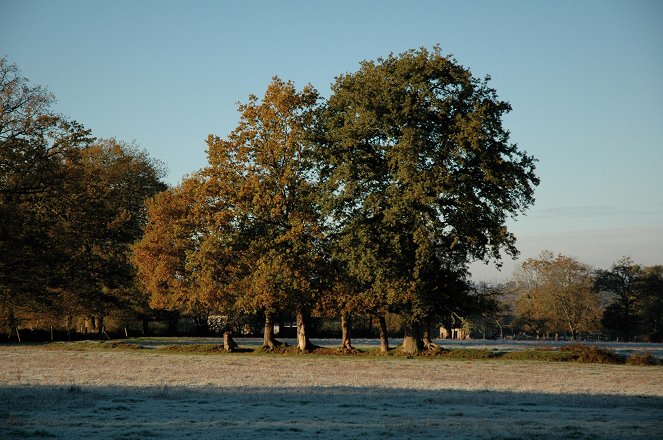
{"points": [[86, 391]]}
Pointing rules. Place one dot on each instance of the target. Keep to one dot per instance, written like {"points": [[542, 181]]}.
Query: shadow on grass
{"points": [[167, 412]]}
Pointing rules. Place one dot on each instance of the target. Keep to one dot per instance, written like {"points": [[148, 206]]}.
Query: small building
{"points": [[456, 333]]}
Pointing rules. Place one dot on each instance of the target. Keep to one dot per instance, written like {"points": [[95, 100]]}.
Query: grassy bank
{"points": [[577, 353]]}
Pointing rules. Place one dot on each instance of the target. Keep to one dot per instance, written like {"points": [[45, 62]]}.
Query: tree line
{"points": [[371, 202], [557, 294]]}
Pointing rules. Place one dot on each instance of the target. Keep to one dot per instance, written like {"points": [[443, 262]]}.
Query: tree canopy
{"points": [[637, 299]]}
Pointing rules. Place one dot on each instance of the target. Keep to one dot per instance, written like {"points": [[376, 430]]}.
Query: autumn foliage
{"points": [[372, 202]]}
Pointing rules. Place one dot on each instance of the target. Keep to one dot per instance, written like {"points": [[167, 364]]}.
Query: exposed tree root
{"points": [[229, 343], [273, 344]]}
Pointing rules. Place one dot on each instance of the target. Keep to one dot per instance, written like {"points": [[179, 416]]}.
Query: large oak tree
{"points": [[34, 145], [420, 179]]}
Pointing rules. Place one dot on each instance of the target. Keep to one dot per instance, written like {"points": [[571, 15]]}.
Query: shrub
{"points": [[195, 348], [592, 354], [468, 354], [643, 359], [544, 355], [124, 345]]}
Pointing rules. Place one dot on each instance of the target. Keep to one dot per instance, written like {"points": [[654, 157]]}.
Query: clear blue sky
{"points": [[584, 79]]}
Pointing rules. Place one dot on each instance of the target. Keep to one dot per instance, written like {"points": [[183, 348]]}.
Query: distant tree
{"points": [[556, 295], [420, 178], [531, 305], [651, 303], [620, 317], [637, 306], [486, 309]]}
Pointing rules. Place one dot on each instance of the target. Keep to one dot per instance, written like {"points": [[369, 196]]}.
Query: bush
{"points": [[544, 355], [468, 354], [123, 345], [592, 354], [643, 359], [195, 348]]}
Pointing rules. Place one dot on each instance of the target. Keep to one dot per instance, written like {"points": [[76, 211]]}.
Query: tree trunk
{"points": [[384, 339], [426, 336], [627, 320], [173, 317], [412, 342], [70, 320], [146, 326], [346, 344], [13, 325], [269, 341], [427, 341], [303, 341], [229, 343], [100, 326]]}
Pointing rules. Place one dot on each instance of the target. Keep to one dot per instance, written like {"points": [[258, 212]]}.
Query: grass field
{"points": [[74, 391]]}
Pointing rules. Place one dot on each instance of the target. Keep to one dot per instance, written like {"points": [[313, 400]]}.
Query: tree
{"points": [[252, 235], [530, 305], [636, 309], [651, 304], [34, 145], [556, 295], [23, 107], [101, 212], [260, 179], [419, 178], [71, 206], [340, 298], [620, 316], [485, 309], [167, 256]]}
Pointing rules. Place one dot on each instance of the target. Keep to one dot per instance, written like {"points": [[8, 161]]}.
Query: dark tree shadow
{"points": [[174, 412]]}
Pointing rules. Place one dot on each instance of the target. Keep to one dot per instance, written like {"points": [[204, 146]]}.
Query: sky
{"points": [[584, 79]]}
